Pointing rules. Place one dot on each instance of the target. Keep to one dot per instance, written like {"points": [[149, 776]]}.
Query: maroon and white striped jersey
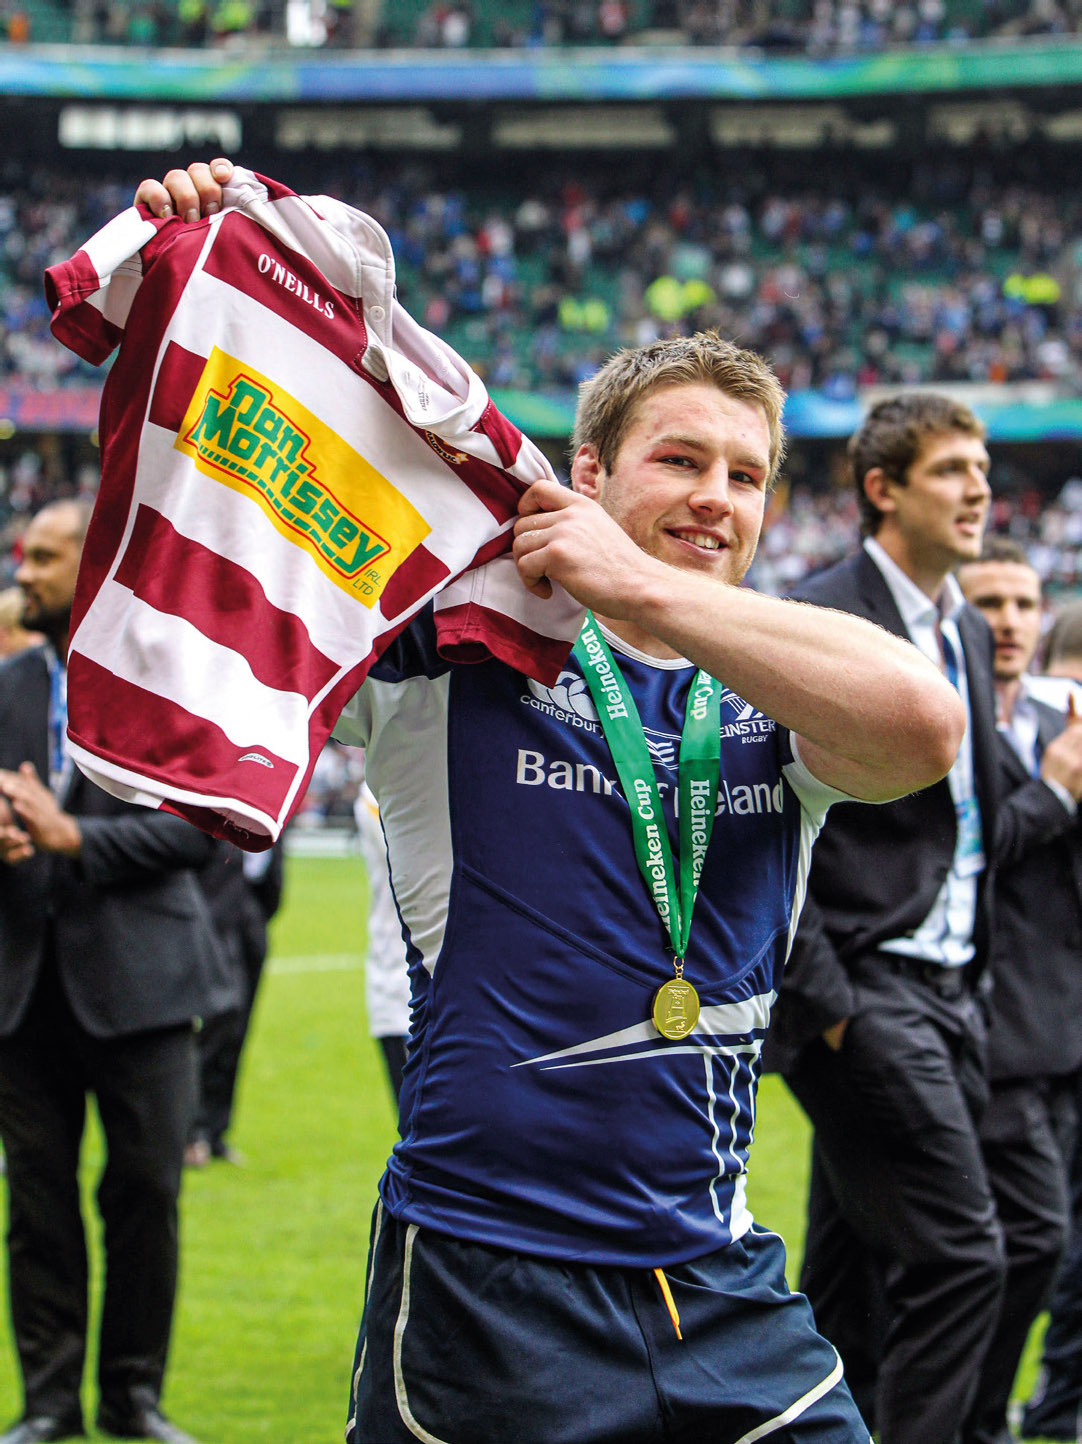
{"points": [[291, 469]]}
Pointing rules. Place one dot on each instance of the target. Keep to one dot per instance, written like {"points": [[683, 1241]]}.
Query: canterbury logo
{"points": [[570, 698]]}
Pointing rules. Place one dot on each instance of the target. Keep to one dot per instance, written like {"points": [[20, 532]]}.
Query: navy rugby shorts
{"points": [[464, 1344]]}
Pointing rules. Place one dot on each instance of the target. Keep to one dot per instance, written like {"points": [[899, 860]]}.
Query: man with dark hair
{"points": [[1063, 649], [1035, 1043], [105, 944], [1060, 681], [879, 1030]]}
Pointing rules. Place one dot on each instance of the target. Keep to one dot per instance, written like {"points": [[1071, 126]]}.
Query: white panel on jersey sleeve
{"points": [[498, 587], [386, 980], [406, 768], [114, 253], [170, 657], [354, 725], [814, 796]]}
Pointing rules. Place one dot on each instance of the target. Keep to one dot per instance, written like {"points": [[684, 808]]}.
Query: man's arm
{"points": [[816, 995], [15, 843], [871, 715], [1035, 813], [124, 848]]}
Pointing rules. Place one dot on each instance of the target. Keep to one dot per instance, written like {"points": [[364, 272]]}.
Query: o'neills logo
{"points": [[278, 273], [455, 458], [249, 433]]}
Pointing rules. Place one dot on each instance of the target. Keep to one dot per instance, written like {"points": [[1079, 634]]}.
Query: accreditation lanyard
{"points": [[969, 846], [58, 724], [676, 1005]]}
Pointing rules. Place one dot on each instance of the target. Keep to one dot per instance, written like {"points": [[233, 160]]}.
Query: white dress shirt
{"points": [[946, 934]]}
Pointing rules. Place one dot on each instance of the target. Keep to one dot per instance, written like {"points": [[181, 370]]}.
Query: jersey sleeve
{"points": [[488, 612], [91, 294], [415, 652], [815, 797]]}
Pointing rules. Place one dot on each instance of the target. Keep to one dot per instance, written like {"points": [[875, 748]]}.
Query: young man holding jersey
{"points": [[562, 1248]]}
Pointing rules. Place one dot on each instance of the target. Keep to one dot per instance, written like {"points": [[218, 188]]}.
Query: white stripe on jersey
{"points": [[411, 783], [135, 642]]}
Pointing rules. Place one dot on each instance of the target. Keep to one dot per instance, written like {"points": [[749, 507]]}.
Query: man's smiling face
{"points": [[689, 482]]}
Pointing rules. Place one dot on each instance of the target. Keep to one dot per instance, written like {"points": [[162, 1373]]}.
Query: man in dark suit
{"points": [[105, 944], [243, 891], [1035, 1041], [880, 1030]]}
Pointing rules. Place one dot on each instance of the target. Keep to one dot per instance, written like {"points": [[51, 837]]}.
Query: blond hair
{"points": [[608, 400]]}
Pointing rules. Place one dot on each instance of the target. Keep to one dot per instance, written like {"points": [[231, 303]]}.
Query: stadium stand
{"points": [[876, 241], [924, 276], [818, 27]]}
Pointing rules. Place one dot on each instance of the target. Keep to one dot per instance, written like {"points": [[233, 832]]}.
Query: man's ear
{"points": [[587, 472], [878, 488]]}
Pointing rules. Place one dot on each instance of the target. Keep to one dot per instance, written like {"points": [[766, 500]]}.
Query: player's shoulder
{"points": [[413, 653]]}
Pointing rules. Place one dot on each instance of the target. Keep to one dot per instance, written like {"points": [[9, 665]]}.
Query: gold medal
{"points": [[676, 1009]]}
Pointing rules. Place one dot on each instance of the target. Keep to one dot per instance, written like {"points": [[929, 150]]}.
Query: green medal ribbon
{"points": [[676, 1006]]}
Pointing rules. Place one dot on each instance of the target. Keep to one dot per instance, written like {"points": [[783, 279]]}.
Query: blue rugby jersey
{"points": [[541, 1110]]}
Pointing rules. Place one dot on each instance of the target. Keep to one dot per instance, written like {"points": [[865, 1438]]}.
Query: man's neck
{"points": [[924, 572], [1007, 694], [58, 640], [639, 640]]}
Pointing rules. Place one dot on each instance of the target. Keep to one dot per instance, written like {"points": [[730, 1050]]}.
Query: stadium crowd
{"points": [[815, 27], [939, 276]]}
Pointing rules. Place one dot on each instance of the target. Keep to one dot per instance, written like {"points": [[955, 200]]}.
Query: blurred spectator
{"points": [[936, 274], [243, 891], [14, 637], [817, 27]]}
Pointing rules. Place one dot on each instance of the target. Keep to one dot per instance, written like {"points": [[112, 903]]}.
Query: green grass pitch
{"points": [[273, 1253]]}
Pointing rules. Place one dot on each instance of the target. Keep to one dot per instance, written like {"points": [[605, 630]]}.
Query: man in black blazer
{"points": [[105, 948], [1035, 1041], [243, 892], [879, 1029]]}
